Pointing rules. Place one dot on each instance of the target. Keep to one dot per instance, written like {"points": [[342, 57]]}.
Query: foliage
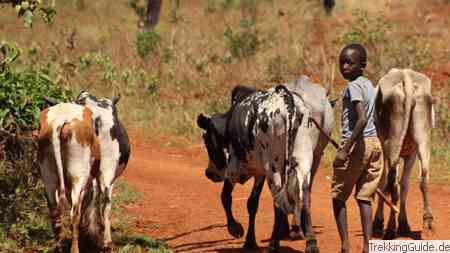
{"points": [[23, 216], [276, 69], [245, 42], [28, 8], [147, 42], [21, 92], [384, 51]]}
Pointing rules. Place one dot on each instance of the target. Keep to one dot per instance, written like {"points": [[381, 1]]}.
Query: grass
{"points": [[125, 240]]}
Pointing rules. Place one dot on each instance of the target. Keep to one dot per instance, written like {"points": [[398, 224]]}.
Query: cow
{"points": [[237, 145], [115, 152], [68, 157], [404, 121], [328, 5]]}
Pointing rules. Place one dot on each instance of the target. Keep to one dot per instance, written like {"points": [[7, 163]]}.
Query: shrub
{"points": [[244, 43], [23, 216], [385, 52], [21, 92], [147, 42]]}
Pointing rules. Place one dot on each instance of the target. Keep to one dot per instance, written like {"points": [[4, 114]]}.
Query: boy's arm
{"points": [[357, 131]]}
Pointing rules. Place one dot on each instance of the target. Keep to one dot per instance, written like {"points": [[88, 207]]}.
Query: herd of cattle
{"points": [[83, 148]]}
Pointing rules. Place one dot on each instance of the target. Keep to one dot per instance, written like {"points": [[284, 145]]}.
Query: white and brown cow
{"points": [[115, 152], [404, 121], [68, 159]]}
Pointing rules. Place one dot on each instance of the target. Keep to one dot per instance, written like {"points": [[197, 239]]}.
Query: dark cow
{"points": [[328, 4], [405, 119], [269, 134], [115, 152]]}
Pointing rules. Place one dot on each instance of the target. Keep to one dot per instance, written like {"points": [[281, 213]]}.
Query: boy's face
{"points": [[350, 64]]}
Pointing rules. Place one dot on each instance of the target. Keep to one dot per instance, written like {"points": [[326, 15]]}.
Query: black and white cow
{"points": [[270, 134], [115, 152]]}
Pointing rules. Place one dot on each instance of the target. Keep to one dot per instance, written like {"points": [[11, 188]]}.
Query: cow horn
{"points": [[203, 121], [79, 95], [116, 99]]}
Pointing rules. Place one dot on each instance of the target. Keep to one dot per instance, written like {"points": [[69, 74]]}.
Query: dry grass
{"points": [[199, 74]]}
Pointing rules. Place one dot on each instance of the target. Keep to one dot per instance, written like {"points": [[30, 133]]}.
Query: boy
{"points": [[358, 160]]}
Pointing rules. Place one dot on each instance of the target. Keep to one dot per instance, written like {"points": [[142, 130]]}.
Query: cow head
{"points": [[107, 122], [84, 98], [214, 139]]}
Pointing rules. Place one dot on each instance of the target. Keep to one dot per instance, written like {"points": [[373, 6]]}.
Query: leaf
{"points": [[47, 14], [28, 18]]}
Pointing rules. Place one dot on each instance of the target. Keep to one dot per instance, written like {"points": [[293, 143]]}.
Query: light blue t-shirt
{"points": [[360, 89]]}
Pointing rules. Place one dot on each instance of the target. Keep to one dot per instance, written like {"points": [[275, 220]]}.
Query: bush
{"points": [[21, 92], [23, 216], [147, 42], [385, 52], [244, 43]]}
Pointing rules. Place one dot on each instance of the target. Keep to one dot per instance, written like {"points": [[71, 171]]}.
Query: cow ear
{"points": [[203, 121], [116, 99]]}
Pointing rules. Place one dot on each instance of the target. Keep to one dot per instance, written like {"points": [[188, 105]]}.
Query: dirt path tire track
{"points": [[182, 207]]}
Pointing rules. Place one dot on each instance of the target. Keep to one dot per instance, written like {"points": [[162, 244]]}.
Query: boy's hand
{"points": [[340, 159]]}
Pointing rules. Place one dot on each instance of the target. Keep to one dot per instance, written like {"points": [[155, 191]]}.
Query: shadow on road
{"points": [[260, 250], [210, 227], [206, 245]]}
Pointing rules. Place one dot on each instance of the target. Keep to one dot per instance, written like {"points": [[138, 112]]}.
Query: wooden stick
{"points": [[379, 192]]}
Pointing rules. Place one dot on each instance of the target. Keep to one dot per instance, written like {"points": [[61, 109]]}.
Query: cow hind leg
{"points": [[252, 207], [274, 243], [48, 168], [106, 212], [235, 229], [403, 226], [394, 188], [296, 233], [75, 213], [424, 157], [311, 242]]}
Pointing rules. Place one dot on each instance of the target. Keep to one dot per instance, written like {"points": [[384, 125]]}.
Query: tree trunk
{"points": [[152, 15]]}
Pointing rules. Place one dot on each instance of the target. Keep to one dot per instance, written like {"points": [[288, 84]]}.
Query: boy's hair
{"points": [[361, 50]]}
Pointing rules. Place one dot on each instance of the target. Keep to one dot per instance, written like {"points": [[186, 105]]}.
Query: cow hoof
{"points": [[428, 222], [274, 246], [403, 230], [389, 235], [248, 245], [236, 230], [378, 229], [296, 235], [311, 247]]}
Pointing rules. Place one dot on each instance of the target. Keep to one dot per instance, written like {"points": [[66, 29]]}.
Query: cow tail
{"points": [[285, 197], [408, 88], [56, 143]]}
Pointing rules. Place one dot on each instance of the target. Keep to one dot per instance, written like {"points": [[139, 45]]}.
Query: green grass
{"points": [[125, 240]]}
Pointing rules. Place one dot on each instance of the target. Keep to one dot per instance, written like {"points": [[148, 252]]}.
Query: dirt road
{"points": [[182, 207]]}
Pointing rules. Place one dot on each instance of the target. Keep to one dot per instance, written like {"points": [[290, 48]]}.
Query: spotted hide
{"points": [[404, 121], [68, 159], [268, 134], [115, 152], [315, 99]]}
